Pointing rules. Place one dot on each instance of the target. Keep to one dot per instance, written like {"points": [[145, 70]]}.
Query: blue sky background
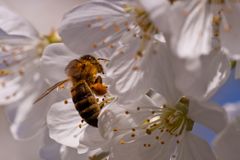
{"points": [[228, 93]]}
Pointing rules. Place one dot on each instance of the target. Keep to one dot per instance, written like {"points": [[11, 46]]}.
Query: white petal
{"points": [[237, 75], [71, 154], [14, 24], [27, 118], [131, 76], [154, 5], [190, 30], [203, 80], [233, 111], [115, 118], [6, 92], [40, 13], [19, 128], [161, 148], [230, 33], [10, 39], [108, 120], [212, 116], [192, 147], [157, 150], [125, 151], [158, 11], [21, 112], [54, 60], [85, 31], [17, 150], [50, 149], [14, 86], [226, 144], [63, 122], [114, 115], [91, 138]]}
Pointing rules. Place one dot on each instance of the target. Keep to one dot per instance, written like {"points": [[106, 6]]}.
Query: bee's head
{"points": [[88, 58], [85, 67], [93, 61]]}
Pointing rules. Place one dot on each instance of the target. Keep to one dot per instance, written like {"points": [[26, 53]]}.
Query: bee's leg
{"points": [[98, 87], [98, 80]]}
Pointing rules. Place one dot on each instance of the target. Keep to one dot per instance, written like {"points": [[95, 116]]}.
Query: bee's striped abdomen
{"points": [[85, 103]]}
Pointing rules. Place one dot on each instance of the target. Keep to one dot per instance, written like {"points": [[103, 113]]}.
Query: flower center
{"points": [[16, 60], [142, 20], [143, 28], [173, 120], [216, 22], [53, 37], [165, 124]]}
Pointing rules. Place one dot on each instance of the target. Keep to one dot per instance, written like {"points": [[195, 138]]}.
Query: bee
{"points": [[83, 73]]}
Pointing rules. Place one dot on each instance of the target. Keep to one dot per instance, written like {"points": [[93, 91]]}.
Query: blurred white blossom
{"points": [[21, 81], [163, 61], [199, 26], [227, 142]]}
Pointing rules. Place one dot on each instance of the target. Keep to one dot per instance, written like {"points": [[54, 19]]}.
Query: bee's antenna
{"points": [[103, 59]]}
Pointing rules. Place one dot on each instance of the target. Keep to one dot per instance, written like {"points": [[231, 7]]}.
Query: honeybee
{"points": [[86, 83]]}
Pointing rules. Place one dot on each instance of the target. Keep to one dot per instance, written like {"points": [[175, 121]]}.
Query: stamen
{"points": [[173, 120], [94, 45], [135, 68], [172, 1], [122, 141], [216, 1], [115, 129], [143, 27], [4, 72], [52, 37], [216, 22], [21, 71], [3, 84]]}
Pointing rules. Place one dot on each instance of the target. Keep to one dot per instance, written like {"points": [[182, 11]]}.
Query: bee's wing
{"points": [[71, 65], [49, 90]]}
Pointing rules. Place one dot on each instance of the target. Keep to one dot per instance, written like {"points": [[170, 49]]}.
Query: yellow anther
{"points": [[216, 20], [216, 1], [122, 141], [115, 129], [5, 72], [53, 37]]}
